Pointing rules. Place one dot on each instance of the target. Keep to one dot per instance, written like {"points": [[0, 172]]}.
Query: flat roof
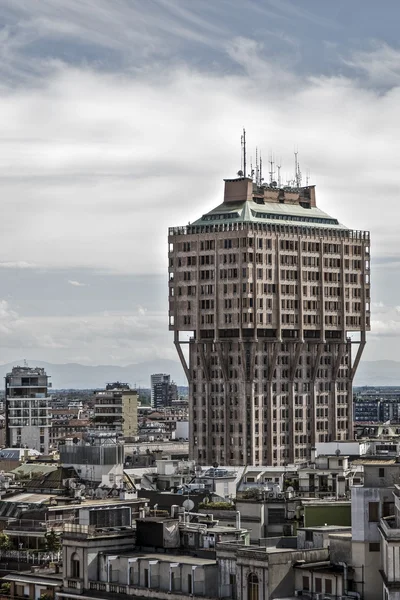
{"points": [[29, 498], [178, 558]]}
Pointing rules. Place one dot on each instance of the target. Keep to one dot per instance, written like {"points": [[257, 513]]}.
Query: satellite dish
{"points": [[337, 452], [240, 173], [188, 504]]}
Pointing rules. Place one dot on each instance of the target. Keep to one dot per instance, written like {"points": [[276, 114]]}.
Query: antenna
{"points": [[297, 172], [261, 177], [271, 172], [243, 143], [307, 177], [279, 175], [256, 165]]}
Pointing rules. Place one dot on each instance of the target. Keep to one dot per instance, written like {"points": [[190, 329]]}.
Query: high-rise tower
{"points": [[27, 408], [269, 288]]}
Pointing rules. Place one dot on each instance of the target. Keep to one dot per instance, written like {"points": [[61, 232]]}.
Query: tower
{"points": [[267, 288], [27, 408]]}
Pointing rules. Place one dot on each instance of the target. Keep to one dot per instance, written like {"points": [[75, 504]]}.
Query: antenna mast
{"points": [[243, 140], [257, 172], [261, 177], [297, 174], [279, 175], [271, 172]]}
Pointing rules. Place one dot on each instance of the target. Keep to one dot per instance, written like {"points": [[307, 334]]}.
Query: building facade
{"points": [[371, 504], [115, 409], [27, 408], [268, 287], [164, 392]]}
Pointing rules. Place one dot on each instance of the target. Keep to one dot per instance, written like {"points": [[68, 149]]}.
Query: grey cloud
{"points": [[122, 120]]}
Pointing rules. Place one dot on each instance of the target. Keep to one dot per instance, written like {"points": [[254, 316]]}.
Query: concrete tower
{"points": [[269, 289]]}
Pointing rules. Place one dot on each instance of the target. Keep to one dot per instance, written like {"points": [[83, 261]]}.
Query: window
{"points": [[306, 583], [381, 472], [328, 586], [388, 509], [75, 566], [252, 584], [318, 585], [373, 512], [374, 546]]}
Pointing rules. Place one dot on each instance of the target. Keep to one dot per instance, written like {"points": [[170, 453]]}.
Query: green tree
{"points": [[53, 543], [5, 588], [5, 542]]}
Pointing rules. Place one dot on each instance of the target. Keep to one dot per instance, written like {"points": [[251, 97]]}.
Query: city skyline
{"points": [[129, 120]]}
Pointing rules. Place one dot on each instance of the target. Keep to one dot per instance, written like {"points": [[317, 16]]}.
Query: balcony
{"points": [[143, 592], [389, 529], [74, 584]]}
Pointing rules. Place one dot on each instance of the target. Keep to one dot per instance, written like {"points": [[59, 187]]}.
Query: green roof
{"points": [[269, 212]]}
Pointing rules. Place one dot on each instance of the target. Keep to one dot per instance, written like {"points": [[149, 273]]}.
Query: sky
{"points": [[120, 118]]}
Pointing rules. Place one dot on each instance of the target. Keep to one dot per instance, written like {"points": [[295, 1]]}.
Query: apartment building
{"points": [[164, 392], [115, 409], [264, 291], [370, 505], [27, 408]]}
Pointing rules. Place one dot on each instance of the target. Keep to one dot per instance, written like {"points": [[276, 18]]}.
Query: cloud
{"points": [[21, 264], [76, 283], [380, 63], [120, 122], [129, 336]]}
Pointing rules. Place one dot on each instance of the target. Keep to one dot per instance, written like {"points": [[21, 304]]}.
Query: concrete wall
{"points": [[182, 430], [336, 582], [373, 478], [346, 448], [340, 548], [371, 562], [362, 528]]}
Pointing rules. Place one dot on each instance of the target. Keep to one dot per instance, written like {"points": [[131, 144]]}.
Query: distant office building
{"points": [[164, 392], [366, 411], [377, 409], [27, 408], [115, 409]]}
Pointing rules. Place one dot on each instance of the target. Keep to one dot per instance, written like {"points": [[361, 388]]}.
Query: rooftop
{"points": [[269, 212], [177, 558]]}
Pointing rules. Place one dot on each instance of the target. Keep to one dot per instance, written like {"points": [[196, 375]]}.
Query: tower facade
{"points": [[27, 408], [272, 296]]}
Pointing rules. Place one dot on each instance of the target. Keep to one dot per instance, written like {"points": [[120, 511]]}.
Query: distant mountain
{"points": [[378, 373], [77, 376], [74, 375]]}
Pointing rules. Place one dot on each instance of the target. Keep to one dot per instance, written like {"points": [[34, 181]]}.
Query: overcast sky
{"points": [[119, 118]]}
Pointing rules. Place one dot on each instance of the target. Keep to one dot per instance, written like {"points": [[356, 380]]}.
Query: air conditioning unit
{"points": [[271, 495], [280, 496]]}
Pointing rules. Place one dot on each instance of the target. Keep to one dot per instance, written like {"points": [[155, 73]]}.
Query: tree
{"points": [[5, 588], [5, 542], [52, 541]]}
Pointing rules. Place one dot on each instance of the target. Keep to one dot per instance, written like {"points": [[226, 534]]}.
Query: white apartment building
{"points": [[28, 414]]}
